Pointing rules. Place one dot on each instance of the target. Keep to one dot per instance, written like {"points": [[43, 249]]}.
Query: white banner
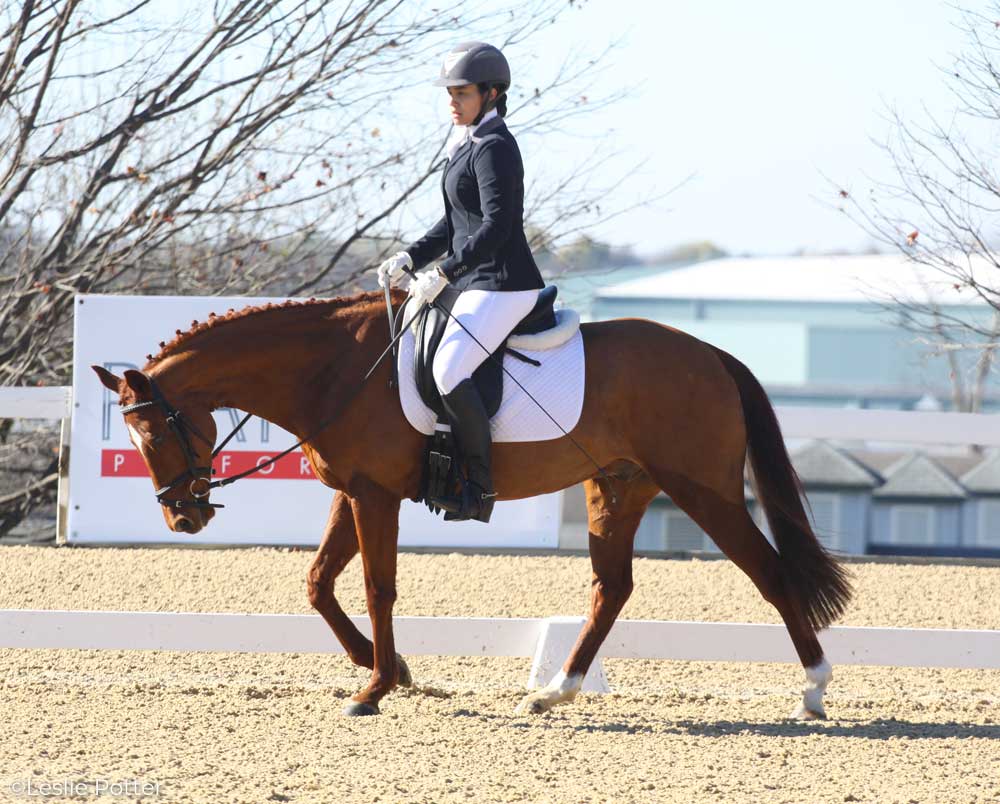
{"points": [[111, 494]]}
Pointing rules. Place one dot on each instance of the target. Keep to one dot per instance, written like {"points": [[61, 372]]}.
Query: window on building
{"points": [[650, 535], [826, 518], [988, 529], [911, 524], [683, 534]]}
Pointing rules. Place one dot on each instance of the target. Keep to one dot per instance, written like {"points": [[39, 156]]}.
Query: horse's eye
{"points": [[156, 440]]}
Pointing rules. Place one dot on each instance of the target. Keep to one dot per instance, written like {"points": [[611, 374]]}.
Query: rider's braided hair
{"points": [[500, 104]]}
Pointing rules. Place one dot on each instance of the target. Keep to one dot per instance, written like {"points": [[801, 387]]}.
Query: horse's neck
{"points": [[269, 374]]}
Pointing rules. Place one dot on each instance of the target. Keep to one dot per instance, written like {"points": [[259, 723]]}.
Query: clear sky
{"points": [[755, 102], [759, 101]]}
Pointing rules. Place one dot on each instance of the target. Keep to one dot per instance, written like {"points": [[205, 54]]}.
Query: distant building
{"points": [[815, 330], [870, 503], [823, 331]]}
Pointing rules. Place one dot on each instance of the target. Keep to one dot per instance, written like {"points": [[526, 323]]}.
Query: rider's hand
{"points": [[391, 271], [426, 287]]}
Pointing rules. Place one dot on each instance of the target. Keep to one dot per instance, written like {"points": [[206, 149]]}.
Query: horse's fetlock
{"points": [[361, 659], [385, 679]]}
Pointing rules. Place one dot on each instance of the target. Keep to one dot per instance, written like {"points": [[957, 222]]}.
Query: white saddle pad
{"points": [[557, 384]]}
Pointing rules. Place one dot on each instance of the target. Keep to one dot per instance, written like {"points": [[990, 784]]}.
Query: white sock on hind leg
{"points": [[817, 677]]}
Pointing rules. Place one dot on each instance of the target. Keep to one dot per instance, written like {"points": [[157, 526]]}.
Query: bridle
{"points": [[182, 429]]}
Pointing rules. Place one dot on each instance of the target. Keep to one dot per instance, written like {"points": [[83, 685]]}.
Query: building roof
{"points": [[954, 463], [859, 279], [897, 474], [984, 478], [917, 475], [819, 463]]}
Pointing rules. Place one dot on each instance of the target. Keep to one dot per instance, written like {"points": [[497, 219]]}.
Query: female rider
{"points": [[488, 258]]}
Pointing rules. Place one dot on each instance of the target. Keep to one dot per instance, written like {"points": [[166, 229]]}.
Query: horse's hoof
{"points": [[359, 709], [804, 713], [530, 705], [405, 679]]}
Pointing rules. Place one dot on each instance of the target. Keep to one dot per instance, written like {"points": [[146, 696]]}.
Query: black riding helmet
{"points": [[474, 63], [480, 64]]}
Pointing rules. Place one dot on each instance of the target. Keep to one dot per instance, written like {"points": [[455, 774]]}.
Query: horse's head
{"points": [[175, 439]]}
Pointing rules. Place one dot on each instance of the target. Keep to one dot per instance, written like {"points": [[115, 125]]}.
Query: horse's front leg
{"points": [[376, 517], [338, 547]]}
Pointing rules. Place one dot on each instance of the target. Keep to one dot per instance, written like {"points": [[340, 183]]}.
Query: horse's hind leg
{"points": [[338, 547], [737, 535], [612, 527]]}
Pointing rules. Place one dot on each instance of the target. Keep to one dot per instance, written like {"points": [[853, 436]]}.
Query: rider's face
{"points": [[465, 103]]}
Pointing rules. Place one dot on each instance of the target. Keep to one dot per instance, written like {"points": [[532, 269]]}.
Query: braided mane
{"points": [[181, 339]]}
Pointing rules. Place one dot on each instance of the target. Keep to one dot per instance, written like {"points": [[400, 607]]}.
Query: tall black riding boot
{"points": [[471, 428]]}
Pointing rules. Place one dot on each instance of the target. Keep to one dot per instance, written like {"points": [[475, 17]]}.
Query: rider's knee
{"points": [[446, 376]]}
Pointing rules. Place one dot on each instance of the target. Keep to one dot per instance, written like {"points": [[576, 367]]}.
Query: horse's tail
{"points": [[814, 577]]}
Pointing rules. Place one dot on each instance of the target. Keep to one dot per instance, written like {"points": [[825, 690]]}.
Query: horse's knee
{"points": [[381, 596], [614, 593]]}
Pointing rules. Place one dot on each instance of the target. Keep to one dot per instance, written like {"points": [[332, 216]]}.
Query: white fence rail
{"points": [[54, 402], [35, 403], [547, 641]]}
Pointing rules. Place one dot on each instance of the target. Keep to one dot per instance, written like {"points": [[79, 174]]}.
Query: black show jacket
{"points": [[483, 225]]}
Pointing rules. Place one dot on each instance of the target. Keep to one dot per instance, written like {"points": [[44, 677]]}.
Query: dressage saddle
{"points": [[489, 376], [442, 473]]}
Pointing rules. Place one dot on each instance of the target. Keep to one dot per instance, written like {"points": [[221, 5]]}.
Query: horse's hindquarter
{"points": [[668, 391], [654, 395]]}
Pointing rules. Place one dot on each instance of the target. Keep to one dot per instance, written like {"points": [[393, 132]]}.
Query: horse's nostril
{"points": [[184, 525]]}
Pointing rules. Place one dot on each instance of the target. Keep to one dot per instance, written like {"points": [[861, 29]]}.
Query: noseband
{"points": [[182, 430]]}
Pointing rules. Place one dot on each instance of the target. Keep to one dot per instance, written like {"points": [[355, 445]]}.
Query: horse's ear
{"points": [[109, 380], [138, 382]]}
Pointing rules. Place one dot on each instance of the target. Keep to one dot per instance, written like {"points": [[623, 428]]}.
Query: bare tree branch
{"points": [[940, 212], [230, 150]]}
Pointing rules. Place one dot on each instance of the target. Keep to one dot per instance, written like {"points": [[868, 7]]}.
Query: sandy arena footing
{"points": [[258, 728]]}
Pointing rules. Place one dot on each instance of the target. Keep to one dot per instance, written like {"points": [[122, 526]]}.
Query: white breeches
{"points": [[490, 315]]}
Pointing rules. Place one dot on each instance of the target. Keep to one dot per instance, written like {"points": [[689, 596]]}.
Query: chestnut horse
{"points": [[663, 411]]}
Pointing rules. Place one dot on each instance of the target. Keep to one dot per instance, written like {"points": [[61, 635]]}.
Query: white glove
{"points": [[391, 271], [426, 287]]}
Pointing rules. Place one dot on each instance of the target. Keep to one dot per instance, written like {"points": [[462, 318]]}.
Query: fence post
{"points": [[62, 491]]}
